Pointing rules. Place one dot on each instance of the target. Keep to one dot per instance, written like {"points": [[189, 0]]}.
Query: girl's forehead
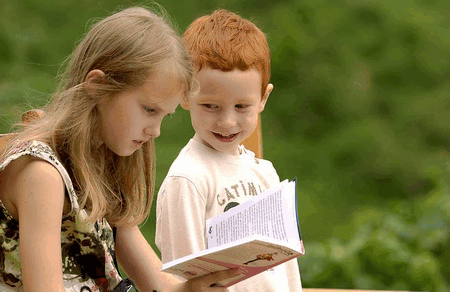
{"points": [[162, 86], [164, 95]]}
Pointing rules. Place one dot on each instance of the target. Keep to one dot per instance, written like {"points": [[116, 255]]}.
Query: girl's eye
{"points": [[241, 106], [149, 109]]}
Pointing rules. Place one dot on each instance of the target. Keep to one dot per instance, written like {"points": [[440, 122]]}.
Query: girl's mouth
{"points": [[138, 144], [225, 138]]}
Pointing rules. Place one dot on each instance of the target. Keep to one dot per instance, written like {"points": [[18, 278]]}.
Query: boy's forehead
{"points": [[214, 78], [220, 71], [236, 83]]}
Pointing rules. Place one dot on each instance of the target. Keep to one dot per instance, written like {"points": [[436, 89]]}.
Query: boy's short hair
{"points": [[224, 40]]}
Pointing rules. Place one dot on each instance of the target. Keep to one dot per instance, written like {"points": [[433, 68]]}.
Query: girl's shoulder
{"points": [[21, 173], [28, 151], [30, 176], [30, 156], [33, 162], [21, 148]]}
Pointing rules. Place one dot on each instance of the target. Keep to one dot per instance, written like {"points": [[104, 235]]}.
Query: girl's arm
{"points": [[139, 261], [141, 264], [35, 188]]}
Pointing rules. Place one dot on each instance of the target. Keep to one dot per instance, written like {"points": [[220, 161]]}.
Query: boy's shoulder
{"points": [[196, 158], [258, 161], [189, 160], [207, 169]]}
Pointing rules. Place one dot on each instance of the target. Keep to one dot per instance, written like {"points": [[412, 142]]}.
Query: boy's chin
{"points": [[227, 149], [222, 144]]}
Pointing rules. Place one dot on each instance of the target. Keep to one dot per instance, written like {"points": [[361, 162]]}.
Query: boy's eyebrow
{"points": [[215, 97]]}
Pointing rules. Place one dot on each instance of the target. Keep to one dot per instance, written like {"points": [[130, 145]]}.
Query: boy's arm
{"points": [[180, 219]]}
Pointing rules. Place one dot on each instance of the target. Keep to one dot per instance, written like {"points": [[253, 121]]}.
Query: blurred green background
{"points": [[359, 114]]}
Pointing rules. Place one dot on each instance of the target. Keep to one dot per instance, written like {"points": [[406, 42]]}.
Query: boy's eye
{"points": [[209, 105], [241, 106]]}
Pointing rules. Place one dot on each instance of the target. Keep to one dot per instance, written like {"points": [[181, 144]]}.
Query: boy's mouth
{"points": [[225, 138]]}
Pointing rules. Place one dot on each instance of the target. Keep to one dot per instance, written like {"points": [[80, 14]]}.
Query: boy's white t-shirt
{"points": [[203, 183]]}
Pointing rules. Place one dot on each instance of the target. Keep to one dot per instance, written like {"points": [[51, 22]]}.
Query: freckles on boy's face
{"points": [[225, 112]]}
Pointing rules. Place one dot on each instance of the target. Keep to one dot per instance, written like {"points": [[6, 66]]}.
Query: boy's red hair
{"points": [[226, 41]]}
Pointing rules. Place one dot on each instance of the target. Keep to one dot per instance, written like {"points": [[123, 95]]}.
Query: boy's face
{"points": [[225, 112]]}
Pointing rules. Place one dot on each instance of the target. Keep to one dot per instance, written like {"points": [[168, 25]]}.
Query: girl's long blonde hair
{"points": [[129, 46]]}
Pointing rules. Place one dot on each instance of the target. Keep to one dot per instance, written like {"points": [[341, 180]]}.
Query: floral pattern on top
{"points": [[87, 248]]}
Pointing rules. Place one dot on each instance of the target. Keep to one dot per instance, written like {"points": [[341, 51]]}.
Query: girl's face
{"points": [[132, 117]]}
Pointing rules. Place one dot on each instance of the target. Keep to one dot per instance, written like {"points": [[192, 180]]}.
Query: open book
{"points": [[257, 235]]}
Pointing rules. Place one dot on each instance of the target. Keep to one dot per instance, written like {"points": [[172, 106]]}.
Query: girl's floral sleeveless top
{"points": [[87, 248]]}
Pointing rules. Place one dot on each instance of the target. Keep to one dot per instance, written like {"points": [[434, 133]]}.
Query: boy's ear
{"points": [[185, 103], [269, 89], [95, 76]]}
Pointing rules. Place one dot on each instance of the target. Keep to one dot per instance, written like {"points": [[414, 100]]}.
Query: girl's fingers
{"points": [[206, 283], [222, 275]]}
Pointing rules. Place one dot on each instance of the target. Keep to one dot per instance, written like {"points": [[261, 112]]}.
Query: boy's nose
{"points": [[227, 120]]}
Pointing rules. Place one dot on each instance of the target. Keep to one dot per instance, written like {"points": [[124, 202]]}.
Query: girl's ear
{"points": [[269, 89], [94, 77]]}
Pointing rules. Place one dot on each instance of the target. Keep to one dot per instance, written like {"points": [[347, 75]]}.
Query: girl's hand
{"points": [[203, 284]]}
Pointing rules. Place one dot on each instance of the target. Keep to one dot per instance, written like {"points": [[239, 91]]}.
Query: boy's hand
{"points": [[203, 284]]}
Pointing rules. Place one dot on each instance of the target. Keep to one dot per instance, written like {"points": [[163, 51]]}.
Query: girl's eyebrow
{"points": [[157, 108], [210, 97], [168, 114]]}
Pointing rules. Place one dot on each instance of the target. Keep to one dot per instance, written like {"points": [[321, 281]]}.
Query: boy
{"points": [[213, 173]]}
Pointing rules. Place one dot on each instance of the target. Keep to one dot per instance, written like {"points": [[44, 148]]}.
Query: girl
{"points": [[88, 165]]}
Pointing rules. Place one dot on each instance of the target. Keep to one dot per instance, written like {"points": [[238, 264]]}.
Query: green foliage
{"points": [[359, 114], [404, 247]]}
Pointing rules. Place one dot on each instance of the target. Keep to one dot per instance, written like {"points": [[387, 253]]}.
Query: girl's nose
{"points": [[153, 130]]}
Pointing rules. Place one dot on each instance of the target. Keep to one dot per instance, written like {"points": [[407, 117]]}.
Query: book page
{"points": [[270, 214]]}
